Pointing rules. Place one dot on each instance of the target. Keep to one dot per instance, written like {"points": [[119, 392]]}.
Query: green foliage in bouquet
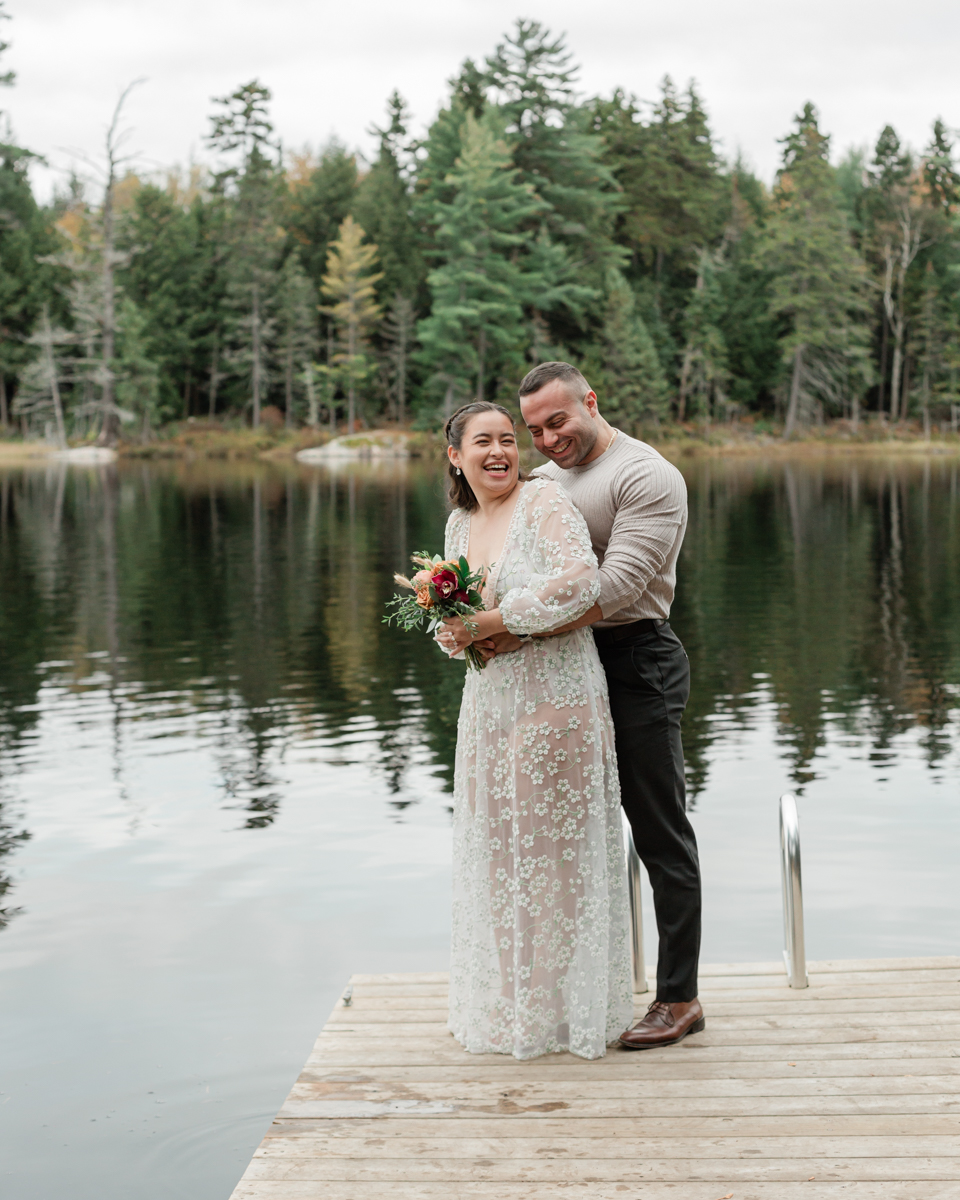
{"points": [[442, 588]]}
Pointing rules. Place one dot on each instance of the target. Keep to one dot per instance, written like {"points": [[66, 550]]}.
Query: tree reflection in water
{"points": [[829, 589], [249, 597]]}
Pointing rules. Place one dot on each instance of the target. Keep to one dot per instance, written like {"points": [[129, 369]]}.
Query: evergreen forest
{"points": [[527, 223]]}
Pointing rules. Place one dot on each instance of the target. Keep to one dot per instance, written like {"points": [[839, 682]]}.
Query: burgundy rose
{"points": [[445, 584]]}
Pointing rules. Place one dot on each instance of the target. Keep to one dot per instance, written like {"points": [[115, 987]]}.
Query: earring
{"points": [[458, 470]]}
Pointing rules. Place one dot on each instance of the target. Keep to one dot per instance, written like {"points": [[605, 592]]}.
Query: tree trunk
{"points": [[684, 383], [257, 366], [288, 390], [794, 406], [110, 429], [895, 371], [401, 377], [481, 355], [310, 387], [54, 382], [351, 380], [905, 390], [926, 404], [4, 414], [214, 376], [405, 315], [331, 387]]}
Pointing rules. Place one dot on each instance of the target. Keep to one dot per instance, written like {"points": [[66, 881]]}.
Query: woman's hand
{"points": [[485, 647], [486, 623], [455, 636]]}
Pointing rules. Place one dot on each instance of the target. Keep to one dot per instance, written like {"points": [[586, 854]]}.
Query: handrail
{"points": [[794, 954], [636, 910]]}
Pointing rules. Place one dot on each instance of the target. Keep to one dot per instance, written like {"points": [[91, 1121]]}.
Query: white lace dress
{"points": [[540, 957]]}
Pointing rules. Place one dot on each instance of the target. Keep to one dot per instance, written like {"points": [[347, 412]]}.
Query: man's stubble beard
{"points": [[587, 444]]}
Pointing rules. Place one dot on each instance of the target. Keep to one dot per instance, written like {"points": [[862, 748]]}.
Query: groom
{"points": [[635, 505]]}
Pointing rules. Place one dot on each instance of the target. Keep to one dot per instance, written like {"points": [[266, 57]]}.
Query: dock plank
{"points": [[849, 1088], [692, 1190]]}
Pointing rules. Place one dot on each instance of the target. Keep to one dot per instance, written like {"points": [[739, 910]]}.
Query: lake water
{"points": [[224, 783]]}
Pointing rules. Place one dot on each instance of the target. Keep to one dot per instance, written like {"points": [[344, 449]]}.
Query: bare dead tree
{"points": [[903, 242], [110, 429]]}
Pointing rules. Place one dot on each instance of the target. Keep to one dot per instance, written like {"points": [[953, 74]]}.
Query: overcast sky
{"points": [[331, 65]]}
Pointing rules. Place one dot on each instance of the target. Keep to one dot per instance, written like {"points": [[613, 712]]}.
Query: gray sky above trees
{"points": [[331, 65]]}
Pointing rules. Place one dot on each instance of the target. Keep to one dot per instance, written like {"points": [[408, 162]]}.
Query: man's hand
{"points": [[486, 648], [504, 643]]}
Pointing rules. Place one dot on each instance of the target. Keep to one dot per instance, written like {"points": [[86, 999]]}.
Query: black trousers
{"points": [[649, 678]]}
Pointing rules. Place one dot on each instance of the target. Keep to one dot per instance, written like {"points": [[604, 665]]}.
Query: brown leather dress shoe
{"points": [[664, 1024]]}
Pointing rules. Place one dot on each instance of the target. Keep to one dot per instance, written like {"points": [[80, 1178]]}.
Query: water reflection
{"points": [[248, 595], [234, 773], [251, 596], [830, 589]]}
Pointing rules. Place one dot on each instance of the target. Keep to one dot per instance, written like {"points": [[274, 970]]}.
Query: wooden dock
{"points": [[849, 1088]]}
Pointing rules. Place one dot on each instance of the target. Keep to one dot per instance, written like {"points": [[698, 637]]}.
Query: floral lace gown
{"points": [[540, 957]]}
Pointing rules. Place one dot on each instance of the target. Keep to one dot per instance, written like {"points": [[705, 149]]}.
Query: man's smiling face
{"points": [[563, 427]]}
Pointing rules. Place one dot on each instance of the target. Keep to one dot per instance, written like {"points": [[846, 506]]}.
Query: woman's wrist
{"points": [[488, 623]]}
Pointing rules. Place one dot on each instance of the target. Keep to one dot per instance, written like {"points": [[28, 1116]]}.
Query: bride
{"points": [[540, 956]]}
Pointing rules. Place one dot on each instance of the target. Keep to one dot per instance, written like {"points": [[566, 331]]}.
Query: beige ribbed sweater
{"points": [[635, 506]]}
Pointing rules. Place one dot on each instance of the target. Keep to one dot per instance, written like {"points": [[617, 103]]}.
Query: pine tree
{"points": [[899, 221], [750, 333], [818, 279], [320, 196], [705, 375], [26, 281], [531, 80], [176, 277], [297, 338], [940, 175], [479, 289], [252, 180], [673, 193], [634, 388], [439, 150], [673, 201], [136, 373], [43, 378], [382, 205], [936, 346], [397, 335], [350, 283]]}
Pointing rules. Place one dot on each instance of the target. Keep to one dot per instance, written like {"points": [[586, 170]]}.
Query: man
{"points": [[635, 505]]}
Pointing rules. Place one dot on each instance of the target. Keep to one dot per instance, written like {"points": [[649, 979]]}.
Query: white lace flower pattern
{"points": [[540, 946]]}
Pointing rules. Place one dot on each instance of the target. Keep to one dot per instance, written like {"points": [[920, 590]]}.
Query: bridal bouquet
{"points": [[441, 588]]}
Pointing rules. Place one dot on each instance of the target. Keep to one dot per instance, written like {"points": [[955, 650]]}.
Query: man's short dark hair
{"points": [[547, 372]]}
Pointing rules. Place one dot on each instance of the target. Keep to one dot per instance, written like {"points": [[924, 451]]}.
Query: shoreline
{"points": [[184, 442]]}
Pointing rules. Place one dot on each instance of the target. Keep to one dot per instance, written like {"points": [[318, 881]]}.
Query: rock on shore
{"points": [[375, 443]]}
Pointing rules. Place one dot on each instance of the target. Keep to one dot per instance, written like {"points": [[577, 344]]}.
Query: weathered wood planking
{"points": [[849, 1088]]}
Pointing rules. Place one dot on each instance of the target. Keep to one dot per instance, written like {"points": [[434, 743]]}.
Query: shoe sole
{"points": [[696, 1027]]}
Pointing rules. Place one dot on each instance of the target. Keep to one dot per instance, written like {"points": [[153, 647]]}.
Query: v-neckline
{"points": [[490, 587]]}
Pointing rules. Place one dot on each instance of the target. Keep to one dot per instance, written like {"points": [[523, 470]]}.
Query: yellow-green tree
{"points": [[350, 283]]}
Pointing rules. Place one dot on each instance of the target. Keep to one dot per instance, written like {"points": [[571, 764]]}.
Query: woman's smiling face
{"points": [[488, 455]]}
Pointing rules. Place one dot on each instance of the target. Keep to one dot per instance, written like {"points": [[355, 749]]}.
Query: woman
{"points": [[540, 948]]}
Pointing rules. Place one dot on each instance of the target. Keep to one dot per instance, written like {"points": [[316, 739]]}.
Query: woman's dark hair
{"points": [[460, 492]]}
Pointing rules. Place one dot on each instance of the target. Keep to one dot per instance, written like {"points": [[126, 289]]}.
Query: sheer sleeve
{"points": [[451, 549], [565, 581]]}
